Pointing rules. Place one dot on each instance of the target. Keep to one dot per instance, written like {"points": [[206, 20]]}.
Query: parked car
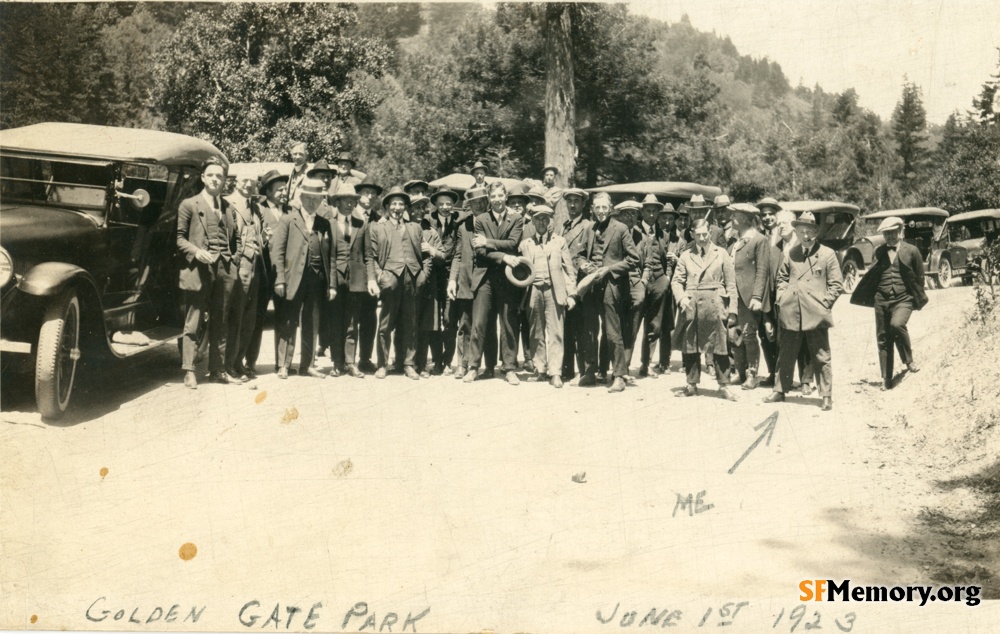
{"points": [[88, 234], [923, 228], [836, 229], [459, 182], [674, 193], [967, 235]]}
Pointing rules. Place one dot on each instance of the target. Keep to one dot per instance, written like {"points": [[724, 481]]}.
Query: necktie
{"points": [[567, 225]]}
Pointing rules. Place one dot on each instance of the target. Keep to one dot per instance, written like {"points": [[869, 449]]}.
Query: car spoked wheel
{"points": [[850, 272], [943, 277], [58, 353]]}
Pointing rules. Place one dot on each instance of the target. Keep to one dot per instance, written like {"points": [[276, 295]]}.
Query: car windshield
{"points": [[834, 226], [79, 185], [970, 230]]}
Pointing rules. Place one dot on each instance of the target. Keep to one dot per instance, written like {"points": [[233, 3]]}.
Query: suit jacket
{"points": [[775, 258], [579, 241], [659, 264], [911, 269], [379, 240], [290, 245], [709, 283], [620, 254], [716, 234], [500, 241], [341, 249], [554, 255], [294, 182], [808, 286], [461, 264], [357, 269], [251, 235], [644, 248], [193, 216], [751, 258]]}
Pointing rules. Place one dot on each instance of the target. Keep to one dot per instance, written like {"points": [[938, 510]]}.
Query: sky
{"points": [[946, 47]]}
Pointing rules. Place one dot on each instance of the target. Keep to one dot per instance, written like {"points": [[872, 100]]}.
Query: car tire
{"points": [[57, 355], [850, 273], [943, 276]]}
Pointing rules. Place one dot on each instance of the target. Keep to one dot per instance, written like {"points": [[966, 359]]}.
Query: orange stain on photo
{"points": [[290, 415], [104, 472], [34, 618], [260, 398], [188, 551]]}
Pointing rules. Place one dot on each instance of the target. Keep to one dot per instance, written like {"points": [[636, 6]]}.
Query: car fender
{"points": [[50, 278], [934, 260]]}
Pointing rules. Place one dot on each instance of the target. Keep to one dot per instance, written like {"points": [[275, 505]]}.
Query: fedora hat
{"points": [[721, 201], [668, 209], [521, 275], [269, 177], [651, 201], [345, 156], [890, 224], [766, 202], [745, 208], [520, 190], [478, 166], [347, 191], [698, 202], [312, 187], [475, 193], [444, 190], [416, 199], [320, 167], [396, 192], [807, 219], [370, 183], [408, 185], [536, 195]]}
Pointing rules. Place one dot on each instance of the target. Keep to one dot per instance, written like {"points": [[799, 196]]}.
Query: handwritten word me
{"points": [[250, 614], [169, 616], [692, 504]]}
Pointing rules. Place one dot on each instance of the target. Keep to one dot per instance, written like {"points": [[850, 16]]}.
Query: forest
{"points": [[420, 90]]}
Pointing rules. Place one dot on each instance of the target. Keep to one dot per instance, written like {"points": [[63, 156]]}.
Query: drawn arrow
{"points": [[769, 424]]}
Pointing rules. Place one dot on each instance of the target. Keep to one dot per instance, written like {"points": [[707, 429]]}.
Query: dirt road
{"points": [[512, 509]]}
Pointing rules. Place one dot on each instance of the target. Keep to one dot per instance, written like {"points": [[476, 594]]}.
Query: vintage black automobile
{"points": [[924, 229], [967, 235], [836, 229], [88, 262]]}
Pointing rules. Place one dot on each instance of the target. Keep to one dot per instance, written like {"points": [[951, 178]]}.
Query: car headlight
{"points": [[6, 267]]}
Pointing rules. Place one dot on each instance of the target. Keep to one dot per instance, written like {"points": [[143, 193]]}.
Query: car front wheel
{"points": [[850, 272], [57, 355], [943, 277]]}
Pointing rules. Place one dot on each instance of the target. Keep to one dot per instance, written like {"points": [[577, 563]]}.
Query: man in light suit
{"points": [[395, 260], [894, 287], [751, 257], [582, 323], [496, 239], [306, 275], [615, 255], [809, 282], [551, 294], [208, 238]]}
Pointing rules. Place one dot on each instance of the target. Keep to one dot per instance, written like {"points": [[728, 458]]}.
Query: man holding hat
{"points": [[395, 261], [496, 239], [445, 220], [894, 286], [306, 275], [582, 323], [519, 201], [809, 282], [346, 175], [550, 295], [658, 315], [751, 258]]}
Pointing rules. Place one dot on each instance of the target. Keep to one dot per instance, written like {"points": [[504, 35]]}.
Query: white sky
{"points": [[947, 47]]}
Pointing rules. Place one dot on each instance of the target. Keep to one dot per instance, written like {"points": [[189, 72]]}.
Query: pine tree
{"points": [[909, 128]]}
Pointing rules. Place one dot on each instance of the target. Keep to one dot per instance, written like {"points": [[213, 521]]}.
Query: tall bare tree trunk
{"points": [[560, 94]]}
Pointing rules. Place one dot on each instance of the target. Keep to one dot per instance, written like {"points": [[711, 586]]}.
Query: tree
{"points": [[256, 76], [909, 129], [560, 95]]}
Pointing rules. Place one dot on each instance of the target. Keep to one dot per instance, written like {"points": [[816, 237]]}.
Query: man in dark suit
{"points": [[627, 212], [751, 257], [305, 276], [369, 206], [615, 255], [495, 243], [894, 286], [251, 269], [445, 220], [658, 319], [346, 233], [460, 291], [809, 282], [395, 260], [208, 238], [581, 324]]}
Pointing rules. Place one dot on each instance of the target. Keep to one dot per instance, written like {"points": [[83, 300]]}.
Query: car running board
{"points": [[126, 344]]}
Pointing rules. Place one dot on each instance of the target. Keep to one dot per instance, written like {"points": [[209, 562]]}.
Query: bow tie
{"points": [[891, 248]]}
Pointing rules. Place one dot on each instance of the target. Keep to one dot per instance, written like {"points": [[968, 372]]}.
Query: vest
{"points": [[891, 282], [218, 239], [599, 236], [314, 255]]}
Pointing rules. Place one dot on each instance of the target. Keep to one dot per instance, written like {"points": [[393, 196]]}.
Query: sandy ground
{"points": [[461, 499]]}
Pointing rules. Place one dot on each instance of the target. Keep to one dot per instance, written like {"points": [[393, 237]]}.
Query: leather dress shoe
{"points": [[488, 373], [511, 378], [448, 370], [557, 381], [313, 372], [827, 404], [629, 380], [807, 389], [470, 376], [411, 373], [751, 382], [190, 380], [381, 373], [425, 374], [237, 377], [335, 372], [643, 371], [659, 369], [587, 380], [251, 373], [540, 377], [913, 368], [528, 366], [767, 382], [460, 372], [726, 394], [220, 377], [367, 366], [689, 390], [355, 372], [617, 385], [775, 397], [282, 373]]}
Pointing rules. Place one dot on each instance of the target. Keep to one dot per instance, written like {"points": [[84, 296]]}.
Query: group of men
{"points": [[452, 285]]}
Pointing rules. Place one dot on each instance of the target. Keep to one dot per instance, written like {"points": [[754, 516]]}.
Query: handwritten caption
{"points": [[717, 616]]}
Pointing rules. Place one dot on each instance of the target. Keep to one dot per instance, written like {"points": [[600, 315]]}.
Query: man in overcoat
{"points": [[809, 282], [751, 257], [658, 317], [894, 286], [704, 287]]}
